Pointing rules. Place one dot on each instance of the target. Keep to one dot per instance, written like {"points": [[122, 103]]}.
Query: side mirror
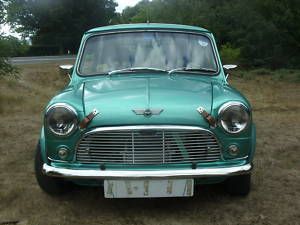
{"points": [[228, 67], [66, 70]]}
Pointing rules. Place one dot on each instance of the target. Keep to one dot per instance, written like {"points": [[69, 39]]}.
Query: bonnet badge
{"points": [[147, 112]]}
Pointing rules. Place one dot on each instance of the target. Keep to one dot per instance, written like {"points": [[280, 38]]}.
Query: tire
{"points": [[238, 185], [50, 185]]}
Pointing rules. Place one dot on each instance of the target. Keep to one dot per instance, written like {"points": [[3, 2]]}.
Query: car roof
{"points": [[147, 26]]}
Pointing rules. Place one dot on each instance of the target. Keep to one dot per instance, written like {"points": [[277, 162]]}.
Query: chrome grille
{"points": [[148, 145]]}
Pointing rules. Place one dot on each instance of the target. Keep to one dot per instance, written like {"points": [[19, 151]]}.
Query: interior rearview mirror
{"points": [[66, 69]]}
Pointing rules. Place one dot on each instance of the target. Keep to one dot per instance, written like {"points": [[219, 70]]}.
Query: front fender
{"points": [[43, 145], [253, 142]]}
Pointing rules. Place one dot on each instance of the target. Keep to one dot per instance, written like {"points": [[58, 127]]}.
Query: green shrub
{"points": [[229, 54], [10, 46], [7, 69]]}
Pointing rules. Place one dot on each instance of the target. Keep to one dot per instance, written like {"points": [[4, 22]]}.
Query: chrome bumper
{"points": [[140, 174]]}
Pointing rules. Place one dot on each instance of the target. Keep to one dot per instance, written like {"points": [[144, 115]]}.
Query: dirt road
{"points": [[275, 196]]}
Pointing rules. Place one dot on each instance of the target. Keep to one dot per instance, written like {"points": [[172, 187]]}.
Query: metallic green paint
{"points": [[147, 26], [115, 98], [179, 95]]}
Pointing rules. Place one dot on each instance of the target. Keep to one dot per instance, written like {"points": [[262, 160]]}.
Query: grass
{"points": [[276, 179], [33, 89], [290, 75]]}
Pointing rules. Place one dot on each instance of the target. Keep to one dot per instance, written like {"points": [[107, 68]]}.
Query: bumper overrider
{"points": [[147, 174]]}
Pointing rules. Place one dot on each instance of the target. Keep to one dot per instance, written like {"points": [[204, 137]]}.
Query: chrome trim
{"points": [[149, 127], [66, 70], [225, 106], [145, 174], [148, 112], [98, 33], [240, 158], [132, 142], [65, 105], [232, 103], [229, 66], [164, 147], [66, 67], [68, 107], [57, 160]]}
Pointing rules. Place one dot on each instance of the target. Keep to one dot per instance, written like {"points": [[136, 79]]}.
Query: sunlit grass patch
{"points": [[30, 92]]}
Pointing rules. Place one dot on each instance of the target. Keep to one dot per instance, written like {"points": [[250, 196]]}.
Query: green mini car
{"points": [[148, 113]]}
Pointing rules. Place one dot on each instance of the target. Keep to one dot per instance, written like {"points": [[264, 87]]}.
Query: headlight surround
{"points": [[234, 117], [61, 119]]}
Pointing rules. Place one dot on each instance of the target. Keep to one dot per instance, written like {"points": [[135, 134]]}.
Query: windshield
{"points": [[151, 49]]}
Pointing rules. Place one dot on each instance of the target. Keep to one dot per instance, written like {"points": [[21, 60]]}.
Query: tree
{"points": [[59, 23], [263, 33], [5, 68], [1, 12], [284, 15]]}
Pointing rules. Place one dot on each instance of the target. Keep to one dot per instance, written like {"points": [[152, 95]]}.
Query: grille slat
{"points": [[148, 151], [158, 142], [154, 161], [144, 143], [148, 146], [144, 155]]}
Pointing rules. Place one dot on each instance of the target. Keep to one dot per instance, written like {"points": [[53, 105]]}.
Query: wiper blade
{"points": [[133, 69], [190, 69]]}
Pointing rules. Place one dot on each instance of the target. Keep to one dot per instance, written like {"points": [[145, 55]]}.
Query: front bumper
{"points": [[148, 174]]}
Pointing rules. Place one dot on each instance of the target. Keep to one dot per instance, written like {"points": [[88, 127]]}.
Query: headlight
{"points": [[234, 117], [61, 119]]}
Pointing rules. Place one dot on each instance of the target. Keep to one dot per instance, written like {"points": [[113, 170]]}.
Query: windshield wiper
{"points": [[133, 69], [190, 69]]}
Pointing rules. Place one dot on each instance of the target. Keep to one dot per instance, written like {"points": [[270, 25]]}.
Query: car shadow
{"points": [[93, 197]]}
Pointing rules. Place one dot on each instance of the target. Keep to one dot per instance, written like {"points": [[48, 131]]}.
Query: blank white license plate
{"points": [[148, 188]]}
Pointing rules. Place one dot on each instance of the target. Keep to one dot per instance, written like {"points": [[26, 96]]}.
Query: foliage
{"points": [[58, 23], [255, 33], [11, 46], [8, 45], [229, 54], [7, 69], [284, 16], [264, 33], [1, 11]]}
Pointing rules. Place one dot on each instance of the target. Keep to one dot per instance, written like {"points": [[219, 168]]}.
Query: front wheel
{"points": [[51, 185], [238, 185]]}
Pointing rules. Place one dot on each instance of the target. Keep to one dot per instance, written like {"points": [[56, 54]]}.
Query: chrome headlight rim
{"points": [[225, 107], [71, 110]]}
